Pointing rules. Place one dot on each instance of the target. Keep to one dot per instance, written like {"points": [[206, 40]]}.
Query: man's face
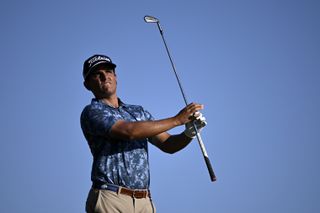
{"points": [[102, 82]]}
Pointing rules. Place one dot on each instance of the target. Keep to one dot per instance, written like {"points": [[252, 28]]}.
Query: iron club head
{"points": [[151, 19]]}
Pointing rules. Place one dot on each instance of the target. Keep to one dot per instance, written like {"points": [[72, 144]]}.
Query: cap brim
{"points": [[109, 65]]}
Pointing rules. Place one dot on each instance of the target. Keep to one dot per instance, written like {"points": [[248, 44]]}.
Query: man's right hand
{"points": [[189, 113]]}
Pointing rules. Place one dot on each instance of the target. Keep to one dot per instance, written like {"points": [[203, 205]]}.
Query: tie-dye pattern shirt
{"points": [[115, 161]]}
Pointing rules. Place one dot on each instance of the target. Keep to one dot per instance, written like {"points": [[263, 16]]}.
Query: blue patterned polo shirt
{"points": [[116, 161]]}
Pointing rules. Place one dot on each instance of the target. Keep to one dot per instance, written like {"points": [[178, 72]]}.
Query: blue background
{"points": [[254, 64]]}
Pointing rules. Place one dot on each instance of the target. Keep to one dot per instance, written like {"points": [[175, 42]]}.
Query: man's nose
{"points": [[104, 76]]}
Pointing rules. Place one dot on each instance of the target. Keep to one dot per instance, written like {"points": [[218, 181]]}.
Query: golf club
{"points": [[151, 19]]}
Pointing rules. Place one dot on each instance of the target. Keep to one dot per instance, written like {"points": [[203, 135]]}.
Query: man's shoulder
{"points": [[94, 106]]}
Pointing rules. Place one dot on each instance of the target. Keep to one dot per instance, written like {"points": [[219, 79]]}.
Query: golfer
{"points": [[118, 134]]}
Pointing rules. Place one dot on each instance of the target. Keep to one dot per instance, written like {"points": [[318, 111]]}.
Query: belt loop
{"points": [[119, 190]]}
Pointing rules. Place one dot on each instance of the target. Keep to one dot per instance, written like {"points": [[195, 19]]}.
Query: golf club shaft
{"points": [[201, 144]]}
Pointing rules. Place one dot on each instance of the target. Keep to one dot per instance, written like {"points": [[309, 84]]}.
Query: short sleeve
{"points": [[148, 115], [97, 121]]}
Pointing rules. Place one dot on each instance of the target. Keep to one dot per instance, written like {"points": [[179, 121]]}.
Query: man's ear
{"points": [[116, 79], [86, 85]]}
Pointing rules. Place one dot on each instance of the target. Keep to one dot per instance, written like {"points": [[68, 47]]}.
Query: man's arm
{"points": [[171, 143], [148, 129]]}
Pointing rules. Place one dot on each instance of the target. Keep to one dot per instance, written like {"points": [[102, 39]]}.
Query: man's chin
{"points": [[106, 94]]}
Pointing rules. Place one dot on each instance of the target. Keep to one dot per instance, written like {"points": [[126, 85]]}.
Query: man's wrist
{"points": [[176, 121]]}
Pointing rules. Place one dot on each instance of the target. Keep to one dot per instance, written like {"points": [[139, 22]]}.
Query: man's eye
{"points": [[97, 74]]}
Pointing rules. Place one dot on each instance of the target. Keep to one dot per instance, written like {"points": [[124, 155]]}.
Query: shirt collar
{"points": [[121, 104]]}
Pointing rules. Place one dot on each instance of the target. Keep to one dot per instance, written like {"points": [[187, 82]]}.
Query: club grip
{"points": [[211, 172]]}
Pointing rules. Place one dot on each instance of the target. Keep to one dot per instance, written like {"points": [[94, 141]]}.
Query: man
{"points": [[118, 136]]}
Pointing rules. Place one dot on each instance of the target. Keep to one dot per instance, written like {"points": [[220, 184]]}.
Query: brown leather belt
{"points": [[134, 193]]}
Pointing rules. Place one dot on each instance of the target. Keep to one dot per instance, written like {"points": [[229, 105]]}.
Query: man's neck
{"points": [[111, 101]]}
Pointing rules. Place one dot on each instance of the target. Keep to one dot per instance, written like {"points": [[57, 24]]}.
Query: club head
{"points": [[151, 19]]}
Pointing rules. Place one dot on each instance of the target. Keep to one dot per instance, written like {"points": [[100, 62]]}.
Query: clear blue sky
{"points": [[254, 64]]}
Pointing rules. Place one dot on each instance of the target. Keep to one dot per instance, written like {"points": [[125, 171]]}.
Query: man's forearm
{"points": [[175, 143], [142, 129]]}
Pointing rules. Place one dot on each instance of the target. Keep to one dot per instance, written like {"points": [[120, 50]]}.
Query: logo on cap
{"points": [[98, 58]]}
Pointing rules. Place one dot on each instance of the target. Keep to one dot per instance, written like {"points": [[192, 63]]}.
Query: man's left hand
{"points": [[199, 122]]}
